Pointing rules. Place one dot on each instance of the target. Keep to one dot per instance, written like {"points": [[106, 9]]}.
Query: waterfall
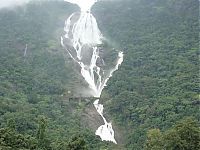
{"points": [[81, 40]]}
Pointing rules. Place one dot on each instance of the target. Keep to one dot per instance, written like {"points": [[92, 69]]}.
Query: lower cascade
{"points": [[82, 40], [105, 131]]}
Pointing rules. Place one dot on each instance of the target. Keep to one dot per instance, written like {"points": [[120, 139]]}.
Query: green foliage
{"points": [[156, 85], [32, 84], [158, 82], [11, 140], [154, 140], [41, 134], [77, 143], [185, 135]]}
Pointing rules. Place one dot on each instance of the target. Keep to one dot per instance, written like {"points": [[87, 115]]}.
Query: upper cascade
{"points": [[85, 6]]}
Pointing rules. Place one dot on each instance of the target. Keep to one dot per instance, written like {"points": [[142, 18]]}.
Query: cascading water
{"points": [[82, 41]]}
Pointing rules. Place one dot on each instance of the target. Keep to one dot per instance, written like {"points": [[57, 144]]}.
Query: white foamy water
{"points": [[81, 40], [104, 131]]}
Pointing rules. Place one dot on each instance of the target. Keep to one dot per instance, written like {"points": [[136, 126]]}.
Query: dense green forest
{"points": [[158, 82], [152, 100]]}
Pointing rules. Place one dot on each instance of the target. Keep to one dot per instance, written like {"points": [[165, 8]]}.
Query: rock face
{"points": [[91, 118]]}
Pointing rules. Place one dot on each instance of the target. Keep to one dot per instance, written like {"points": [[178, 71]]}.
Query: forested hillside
{"points": [[34, 76], [158, 83], [152, 100]]}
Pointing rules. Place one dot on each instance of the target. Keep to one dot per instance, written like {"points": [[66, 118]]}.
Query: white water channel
{"points": [[81, 40]]}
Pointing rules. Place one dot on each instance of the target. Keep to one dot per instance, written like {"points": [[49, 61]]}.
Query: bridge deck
{"points": [[83, 98]]}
